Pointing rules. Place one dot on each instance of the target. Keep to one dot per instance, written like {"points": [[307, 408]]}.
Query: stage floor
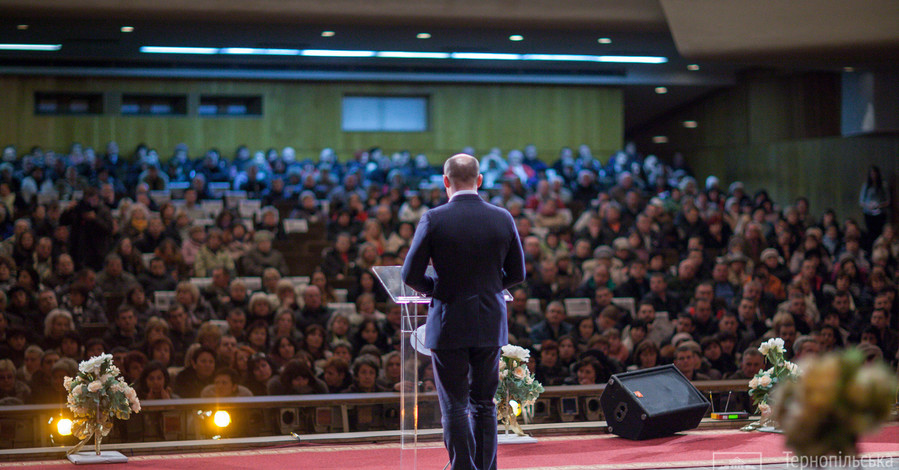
{"points": [[697, 449]]}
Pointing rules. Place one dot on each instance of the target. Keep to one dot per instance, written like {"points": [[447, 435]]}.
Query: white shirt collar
{"points": [[464, 191]]}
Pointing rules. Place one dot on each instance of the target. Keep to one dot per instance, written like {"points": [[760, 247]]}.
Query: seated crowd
{"points": [[630, 264]]}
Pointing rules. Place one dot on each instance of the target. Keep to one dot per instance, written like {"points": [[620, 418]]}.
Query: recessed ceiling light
{"points": [[22, 27], [849, 69], [516, 37], [604, 40], [423, 35], [327, 34], [690, 124], [693, 67], [660, 139], [661, 90], [127, 29]]}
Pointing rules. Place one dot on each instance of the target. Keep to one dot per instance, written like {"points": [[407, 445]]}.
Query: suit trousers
{"points": [[467, 379]]}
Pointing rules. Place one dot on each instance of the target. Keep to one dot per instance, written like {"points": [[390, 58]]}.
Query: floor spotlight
{"points": [[221, 419], [64, 427]]}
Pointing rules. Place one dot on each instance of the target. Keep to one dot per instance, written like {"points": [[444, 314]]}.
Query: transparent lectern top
{"points": [[391, 278]]}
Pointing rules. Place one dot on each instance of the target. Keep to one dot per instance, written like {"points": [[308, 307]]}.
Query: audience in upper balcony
{"points": [[99, 252]]}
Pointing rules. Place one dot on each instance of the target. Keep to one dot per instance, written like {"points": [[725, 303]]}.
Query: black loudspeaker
{"points": [[650, 403]]}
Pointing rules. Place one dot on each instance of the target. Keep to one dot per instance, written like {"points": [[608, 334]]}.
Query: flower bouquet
{"points": [[95, 396], [838, 398], [764, 382], [517, 387]]}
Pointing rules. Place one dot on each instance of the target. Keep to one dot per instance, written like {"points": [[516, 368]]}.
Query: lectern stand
{"points": [[413, 344], [412, 341]]}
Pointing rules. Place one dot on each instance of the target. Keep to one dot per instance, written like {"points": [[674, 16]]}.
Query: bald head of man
{"points": [[461, 172]]}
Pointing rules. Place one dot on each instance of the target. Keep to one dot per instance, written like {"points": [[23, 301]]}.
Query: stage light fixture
{"points": [[516, 408], [222, 419], [542, 410], [568, 408], [592, 409], [59, 429], [64, 426]]}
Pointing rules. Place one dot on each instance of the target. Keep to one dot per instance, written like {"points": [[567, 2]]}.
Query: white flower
{"points": [[529, 380], [516, 352], [774, 344], [519, 373], [764, 408], [754, 383], [67, 383], [135, 406], [130, 394], [116, 387], [793, 368], [78, 390], [503, 374], [765, 381], [114, 370], [94, 386], [502, 365], [94, 363]]}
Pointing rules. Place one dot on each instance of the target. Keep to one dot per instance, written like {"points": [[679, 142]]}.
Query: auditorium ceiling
{"points": [[705, 43]]}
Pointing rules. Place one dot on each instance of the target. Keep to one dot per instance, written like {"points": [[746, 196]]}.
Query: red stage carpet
{"points": [[689, 449]]}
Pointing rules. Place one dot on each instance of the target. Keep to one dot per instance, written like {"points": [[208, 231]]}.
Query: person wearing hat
{"points": [[772, 284], [308, 208], [771, 258], [736, 264], [603, 254], [262, 256]]}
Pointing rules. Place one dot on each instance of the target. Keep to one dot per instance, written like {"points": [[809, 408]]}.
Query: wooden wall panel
{"points": [[828, 171], [307, 116], [778, 133]]}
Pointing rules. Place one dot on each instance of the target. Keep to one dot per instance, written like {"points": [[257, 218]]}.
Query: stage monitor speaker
{"points": [[650, 403]]}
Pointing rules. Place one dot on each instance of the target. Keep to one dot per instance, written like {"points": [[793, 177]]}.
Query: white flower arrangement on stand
{"points": [[517, 391], [764, 382], [95, 396]]}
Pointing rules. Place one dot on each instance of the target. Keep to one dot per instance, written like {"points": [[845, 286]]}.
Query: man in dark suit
{"points": [[476, 253]]}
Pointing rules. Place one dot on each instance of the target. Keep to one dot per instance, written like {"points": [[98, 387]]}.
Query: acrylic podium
{"points": [[412, 345]]}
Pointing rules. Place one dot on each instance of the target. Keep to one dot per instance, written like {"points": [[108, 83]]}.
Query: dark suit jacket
{"points": [[476, 253]]}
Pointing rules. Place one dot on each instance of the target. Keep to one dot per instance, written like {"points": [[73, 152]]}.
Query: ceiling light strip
{"points": [[179, 50], [30, 47], [405, 54]]}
